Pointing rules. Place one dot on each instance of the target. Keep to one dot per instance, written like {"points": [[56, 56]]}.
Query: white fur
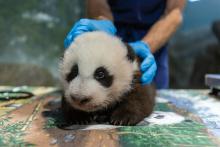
{"points": [[90, 51]]}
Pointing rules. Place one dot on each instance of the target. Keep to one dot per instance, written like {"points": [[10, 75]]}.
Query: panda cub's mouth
{"points": [[83, 103], [86, 107]]}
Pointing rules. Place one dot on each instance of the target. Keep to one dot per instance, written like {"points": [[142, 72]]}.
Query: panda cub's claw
{"points": [[124, 119], [80, 120]]}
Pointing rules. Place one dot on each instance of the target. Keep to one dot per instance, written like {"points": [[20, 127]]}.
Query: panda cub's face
{"points": [[95, 71]]}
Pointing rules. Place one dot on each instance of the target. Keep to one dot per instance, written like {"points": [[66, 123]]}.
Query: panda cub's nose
{"points": [[84, 101], [80, 100]]}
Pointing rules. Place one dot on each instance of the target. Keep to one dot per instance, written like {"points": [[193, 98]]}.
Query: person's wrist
{"points": [[110, 27], [140, 48], [105, 25], [146, 45], [101, 17]]}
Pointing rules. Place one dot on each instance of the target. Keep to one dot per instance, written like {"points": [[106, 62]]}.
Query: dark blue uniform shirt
{"points": [[133, 19]]}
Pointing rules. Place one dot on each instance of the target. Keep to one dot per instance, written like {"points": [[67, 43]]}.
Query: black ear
{"points": [[130, 53]]}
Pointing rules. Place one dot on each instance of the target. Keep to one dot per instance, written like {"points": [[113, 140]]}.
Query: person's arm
{"points": [[98, 9], [162, 30]]}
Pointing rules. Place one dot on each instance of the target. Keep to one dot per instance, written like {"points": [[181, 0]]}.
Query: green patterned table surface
{"points": [[181, 118]]}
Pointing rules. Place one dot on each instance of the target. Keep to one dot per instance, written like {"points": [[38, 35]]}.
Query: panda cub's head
{"points": [[96, 70]]}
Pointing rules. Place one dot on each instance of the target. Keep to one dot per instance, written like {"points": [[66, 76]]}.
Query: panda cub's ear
{"points": [[130, 53]]}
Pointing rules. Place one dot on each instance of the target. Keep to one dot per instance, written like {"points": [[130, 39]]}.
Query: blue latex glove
{"points": [[88, 25], [148, 66]]}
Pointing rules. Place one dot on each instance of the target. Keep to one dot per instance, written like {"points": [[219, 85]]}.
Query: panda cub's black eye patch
{"points": [[103, 77], [73, 73]]}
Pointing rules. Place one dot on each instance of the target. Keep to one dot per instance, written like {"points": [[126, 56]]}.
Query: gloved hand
{"points": [[148, 66], [88, 25]]}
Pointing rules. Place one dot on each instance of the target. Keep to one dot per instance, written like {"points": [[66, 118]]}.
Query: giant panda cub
{"points": [[100, 78]]}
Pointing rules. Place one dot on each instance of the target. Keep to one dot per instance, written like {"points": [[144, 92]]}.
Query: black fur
{"points": [[130, 53], [73, 73], [102, 75]]}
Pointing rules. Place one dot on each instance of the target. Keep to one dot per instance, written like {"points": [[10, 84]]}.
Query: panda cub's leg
{"points": [[135, 107]]}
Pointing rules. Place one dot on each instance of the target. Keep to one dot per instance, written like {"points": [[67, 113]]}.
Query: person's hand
{"points": [[148, 66], [88, 25]]}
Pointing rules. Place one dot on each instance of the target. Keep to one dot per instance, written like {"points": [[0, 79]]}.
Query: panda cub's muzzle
{"points": [[80, 100]]}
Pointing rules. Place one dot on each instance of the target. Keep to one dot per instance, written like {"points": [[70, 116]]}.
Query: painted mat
{"points": [[188, 118]]}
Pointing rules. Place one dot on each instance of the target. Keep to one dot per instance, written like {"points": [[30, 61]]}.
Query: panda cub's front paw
{"points": [[71, 124], [76, 117], [124, 118], [82, 120]]}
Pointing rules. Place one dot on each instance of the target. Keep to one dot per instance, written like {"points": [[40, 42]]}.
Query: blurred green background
{"points": [[32, 34]]}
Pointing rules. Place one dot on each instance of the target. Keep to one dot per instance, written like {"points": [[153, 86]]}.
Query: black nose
{"points": [[84, 101], [80, 100]]}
